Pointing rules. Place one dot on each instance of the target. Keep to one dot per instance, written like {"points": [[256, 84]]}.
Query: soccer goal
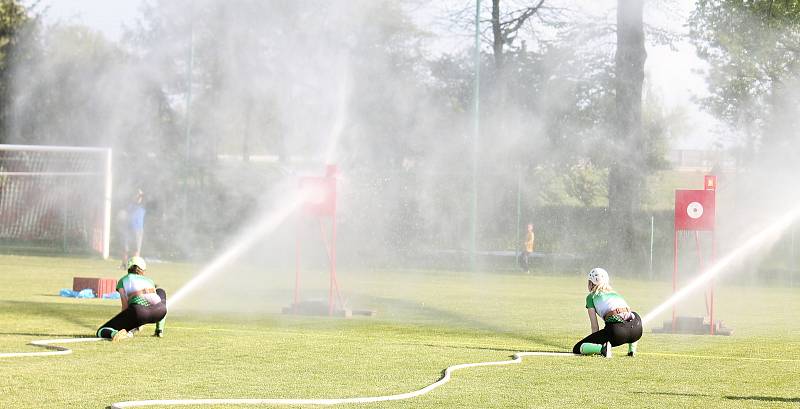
{"points": [[55, 198]]}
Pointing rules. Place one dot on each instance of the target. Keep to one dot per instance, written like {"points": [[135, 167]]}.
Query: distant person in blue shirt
{"points": [[134, 228]]}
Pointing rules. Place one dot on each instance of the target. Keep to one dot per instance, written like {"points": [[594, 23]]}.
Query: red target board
{"points": [[694, 210], [321, 192], [320, 203]]}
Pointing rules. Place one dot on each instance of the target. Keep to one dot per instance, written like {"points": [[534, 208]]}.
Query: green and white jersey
{"points": [[605, 302], [135, 282]]}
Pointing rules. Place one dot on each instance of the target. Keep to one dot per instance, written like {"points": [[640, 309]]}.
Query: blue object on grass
{"points": [[66, 292], [85, 293], [111, 296]]}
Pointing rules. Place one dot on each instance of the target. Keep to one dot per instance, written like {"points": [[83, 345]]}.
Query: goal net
{"points": [[55, 198]]}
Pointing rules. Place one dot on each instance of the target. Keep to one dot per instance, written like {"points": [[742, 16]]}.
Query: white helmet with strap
{"points": [[137, 261], [598, 276]]}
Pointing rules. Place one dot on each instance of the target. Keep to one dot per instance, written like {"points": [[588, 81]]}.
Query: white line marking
{"points": [[47, 343]]}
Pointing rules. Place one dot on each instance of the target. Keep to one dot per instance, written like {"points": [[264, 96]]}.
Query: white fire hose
{"points": [[60, 350]]}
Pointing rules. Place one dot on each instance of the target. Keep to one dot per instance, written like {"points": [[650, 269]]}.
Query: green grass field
{"points": [[225, 344]]}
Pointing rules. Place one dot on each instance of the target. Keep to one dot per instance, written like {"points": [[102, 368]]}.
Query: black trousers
{"points": [[524, 260], [137, 315], [617, 333]]}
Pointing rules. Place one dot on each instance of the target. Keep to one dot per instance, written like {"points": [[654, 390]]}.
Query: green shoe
{"points": [[632, 349]]}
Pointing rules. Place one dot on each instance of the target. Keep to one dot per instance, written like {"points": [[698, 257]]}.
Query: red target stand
{"points": [[695, 213], [319, 203]]}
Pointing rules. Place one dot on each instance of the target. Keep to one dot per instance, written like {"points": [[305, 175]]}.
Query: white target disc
{"points": [[694, 210]]}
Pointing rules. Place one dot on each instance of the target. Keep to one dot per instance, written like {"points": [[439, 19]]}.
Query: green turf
{"points": [[235, 344]]}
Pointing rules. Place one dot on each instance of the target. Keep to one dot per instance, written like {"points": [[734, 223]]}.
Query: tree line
{"points": [[565, 102]]}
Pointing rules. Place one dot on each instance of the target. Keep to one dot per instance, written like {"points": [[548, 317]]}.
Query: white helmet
{"points": [[137, 261], [598, 276]]}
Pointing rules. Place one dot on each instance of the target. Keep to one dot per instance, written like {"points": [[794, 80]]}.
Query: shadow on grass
{"points": [[73, 314], [514, 350], [764, 398], [48, 335], [685, 394], [452, 317], [754, 398]]}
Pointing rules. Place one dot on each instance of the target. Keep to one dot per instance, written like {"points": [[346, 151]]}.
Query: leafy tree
{"points": [[506, 25], [752, 51], [626, 175], [14, 19], [287, 78], [62, 90], [561, 97]]}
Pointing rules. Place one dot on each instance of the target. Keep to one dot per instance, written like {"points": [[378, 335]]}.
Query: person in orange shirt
{"points": [[528, 249]]}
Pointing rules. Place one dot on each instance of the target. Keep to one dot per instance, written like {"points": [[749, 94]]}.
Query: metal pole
{"points": [[792, 260], [49, 148], [652, 235], [476, 134], [334, 281], [64, 220], [519, 205], [674, 274], [701, 266], [296, 262], [107, 207], [711, 282], [188, 124], [189, 69], [713, 260]]}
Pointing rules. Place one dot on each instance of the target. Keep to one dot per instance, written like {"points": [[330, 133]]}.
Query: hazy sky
{"points": [[106, 16], [673, 72]]}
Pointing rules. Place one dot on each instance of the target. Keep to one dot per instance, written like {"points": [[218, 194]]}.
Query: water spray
{"points": [[265, 225], [769, 233], [340, 120], [311, 195]]}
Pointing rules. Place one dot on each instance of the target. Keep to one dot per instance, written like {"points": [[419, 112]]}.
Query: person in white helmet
{"points": [[622, 325], [142, 303]]}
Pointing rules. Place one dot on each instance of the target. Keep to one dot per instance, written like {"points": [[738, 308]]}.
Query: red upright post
{"points": [[694, 211], [710, 183], [674, 274], [711, 282], [701, 266], [334, 283], [330, 174], [296, 263], [321, 203]]}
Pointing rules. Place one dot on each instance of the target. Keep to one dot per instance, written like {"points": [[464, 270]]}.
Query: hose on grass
{"points": [[60, 350], [517, 358]]}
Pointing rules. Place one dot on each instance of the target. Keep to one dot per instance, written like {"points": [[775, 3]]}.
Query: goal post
{"points": [[55, 197]]}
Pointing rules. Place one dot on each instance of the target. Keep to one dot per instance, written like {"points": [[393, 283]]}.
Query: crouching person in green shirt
{"points": [[622, 326], [142, 303]]}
